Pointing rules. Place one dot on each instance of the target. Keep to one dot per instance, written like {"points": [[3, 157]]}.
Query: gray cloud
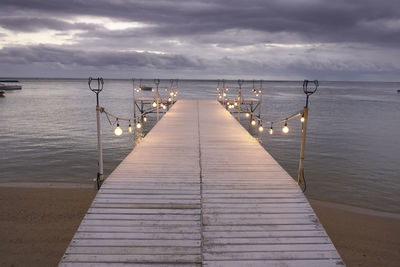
{"points": [[342, 38], [45, 54]]}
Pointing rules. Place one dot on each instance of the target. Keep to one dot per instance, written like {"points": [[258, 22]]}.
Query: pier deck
{"points": [[199, 190]]}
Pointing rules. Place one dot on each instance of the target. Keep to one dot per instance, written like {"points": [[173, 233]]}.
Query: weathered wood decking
{"points": [[200, 191]]}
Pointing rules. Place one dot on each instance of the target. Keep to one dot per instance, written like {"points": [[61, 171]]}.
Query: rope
{"points": [[265, 122], [102, 110]]}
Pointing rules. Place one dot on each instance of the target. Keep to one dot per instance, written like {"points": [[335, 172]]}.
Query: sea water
{"points": [[48, 133]]}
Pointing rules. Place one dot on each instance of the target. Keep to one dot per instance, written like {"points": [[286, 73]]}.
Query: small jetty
{"points": [[199, 190]]}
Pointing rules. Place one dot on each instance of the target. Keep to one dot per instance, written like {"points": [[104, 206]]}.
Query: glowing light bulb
{"points": [[256, 94], [228, 103], [260, 129], [285, 128], [247, 115], [271, 131], [253, 122], [145, 119], [164, 107], [224, 94], [220, 97], [259, 91], [118, 130], [130, 129], [227, 89], [138, 125], [169, 99], [302, 119], [154, 104], [236, 103], [171, 94]]}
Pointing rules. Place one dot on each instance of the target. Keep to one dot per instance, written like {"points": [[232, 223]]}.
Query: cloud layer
{"points": [[285, 39]]}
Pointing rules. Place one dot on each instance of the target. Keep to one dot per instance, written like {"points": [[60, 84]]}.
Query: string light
{"points": [[247, 115], [253, 122], [169, 99], [302, 118], [154, 104], [271, 130], [130, 127], [236, 104], [171, 94], [285, 128], [260, 129], [164, 106], [118, 130], [138, 125], [144, 119]]}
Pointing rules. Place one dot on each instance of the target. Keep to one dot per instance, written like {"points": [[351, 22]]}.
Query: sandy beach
{"points": [[38, 223]]}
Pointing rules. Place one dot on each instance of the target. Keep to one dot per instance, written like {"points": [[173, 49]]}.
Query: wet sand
{"points": [[38, 223]]}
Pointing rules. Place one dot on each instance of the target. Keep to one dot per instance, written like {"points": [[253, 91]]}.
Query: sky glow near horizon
{"points": [[308, 39]]}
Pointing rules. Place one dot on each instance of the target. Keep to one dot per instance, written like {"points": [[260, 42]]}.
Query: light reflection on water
{"points": [[48, 133]]}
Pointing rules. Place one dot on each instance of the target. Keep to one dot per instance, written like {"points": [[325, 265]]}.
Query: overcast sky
{"points": [[278, 39]]}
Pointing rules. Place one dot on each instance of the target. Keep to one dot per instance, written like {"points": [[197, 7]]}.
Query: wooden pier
{"points": [[199, 190]]}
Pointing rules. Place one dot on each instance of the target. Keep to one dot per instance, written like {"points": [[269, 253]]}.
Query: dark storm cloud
{"points": [[34, 24], [45, 54], [315, 20]]}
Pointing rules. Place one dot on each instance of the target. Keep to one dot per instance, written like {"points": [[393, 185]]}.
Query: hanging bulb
{"points": [[224, 94], [169, 99], [256, 94], [247, 115], [271, 131], [144, 119], [130, 127], [285, 128], [138, 125], [236, 104], [226, 89], [171, 94], [302, 118], [259, 91], [260, 129], [253, 122], [164, 107], [154, 104], [220, 97], [118, 130]]}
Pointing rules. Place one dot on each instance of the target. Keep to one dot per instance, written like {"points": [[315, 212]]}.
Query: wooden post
{"points": [[303, 145], [100, 174]]}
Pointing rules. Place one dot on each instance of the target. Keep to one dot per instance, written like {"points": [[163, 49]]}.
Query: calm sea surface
{"points": [[48, 133]]}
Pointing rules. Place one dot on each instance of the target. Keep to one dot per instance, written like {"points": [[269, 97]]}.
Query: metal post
{"points": [[303, 146], [223, 92], [218, 92], [134, 103], [176, 90], [171, 93], [100, 176], [259, 106], [240, 82], [157, 82]]}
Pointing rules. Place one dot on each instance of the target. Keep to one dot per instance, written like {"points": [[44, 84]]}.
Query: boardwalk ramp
{"points": [[199, 190]]}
